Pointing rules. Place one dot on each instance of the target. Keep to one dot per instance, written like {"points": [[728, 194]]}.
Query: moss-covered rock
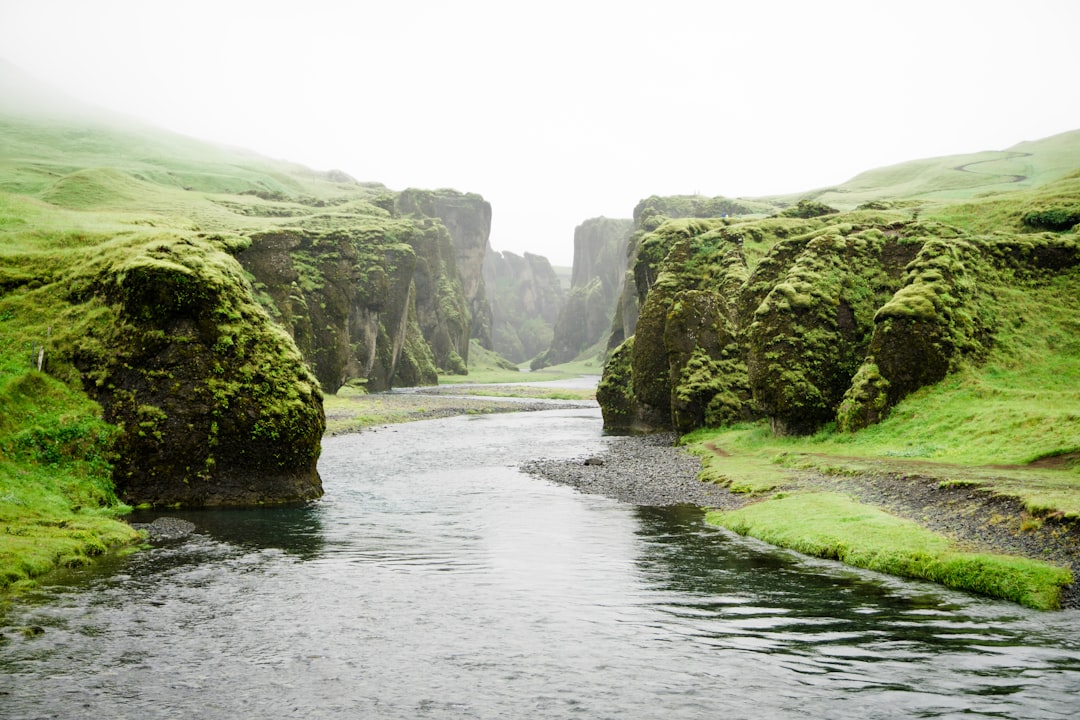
{"points": [[467, 219], [214, 403], [807, 321], [706, 368], [615, 392], [942, 315], [808, 336]]}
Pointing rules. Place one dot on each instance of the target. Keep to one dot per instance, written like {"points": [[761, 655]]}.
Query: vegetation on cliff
{"points": [[930, 335], [834, 318], [171, 312]]}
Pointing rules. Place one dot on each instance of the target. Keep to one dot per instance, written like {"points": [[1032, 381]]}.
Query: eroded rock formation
{"points": [[214, 403], [467, 217], [807, 320]]}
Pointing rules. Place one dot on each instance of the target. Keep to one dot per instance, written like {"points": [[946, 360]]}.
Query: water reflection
{"points": [[857, 636], [296, 529]]}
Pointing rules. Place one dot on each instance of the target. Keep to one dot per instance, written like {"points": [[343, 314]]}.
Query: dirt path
{"points": [[1003, 178]]}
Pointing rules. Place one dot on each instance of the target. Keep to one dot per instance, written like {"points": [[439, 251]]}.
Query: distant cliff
{"points": [[467, 217], [525, 297], [586, 317]]}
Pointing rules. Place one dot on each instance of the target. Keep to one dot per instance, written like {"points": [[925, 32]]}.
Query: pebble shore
{"points": [[641, 470]]}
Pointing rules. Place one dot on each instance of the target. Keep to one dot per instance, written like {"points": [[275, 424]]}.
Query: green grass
{"points": [[831, 525], [57, 506], [525, 392], [745, 473], [484, 371]]}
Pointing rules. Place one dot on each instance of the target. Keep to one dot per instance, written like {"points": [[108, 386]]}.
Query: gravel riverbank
{"points": [[641, 470], [649, 470]]}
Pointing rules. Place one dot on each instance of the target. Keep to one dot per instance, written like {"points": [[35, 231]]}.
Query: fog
{"points": [[560, 111]]}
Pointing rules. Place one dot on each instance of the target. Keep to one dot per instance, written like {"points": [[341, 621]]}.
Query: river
{"points": [[435, 580]]}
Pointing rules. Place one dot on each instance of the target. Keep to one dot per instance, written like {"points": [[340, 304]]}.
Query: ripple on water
{"points": [[436, 580]]}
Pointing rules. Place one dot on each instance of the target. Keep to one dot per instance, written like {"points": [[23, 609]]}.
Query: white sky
{"points": [[560, 111]]}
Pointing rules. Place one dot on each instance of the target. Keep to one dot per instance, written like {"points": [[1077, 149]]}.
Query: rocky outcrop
{"points": [[806, 321], [214, 404], [649, 215], [599, 258], [347, 299], [377, 296], [467, 217], [525, 297]]}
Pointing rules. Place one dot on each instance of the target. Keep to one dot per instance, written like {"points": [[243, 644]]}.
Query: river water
{"points": [[435, 580]]}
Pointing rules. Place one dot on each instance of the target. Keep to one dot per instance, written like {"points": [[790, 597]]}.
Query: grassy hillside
{"points": [[955, 177]]}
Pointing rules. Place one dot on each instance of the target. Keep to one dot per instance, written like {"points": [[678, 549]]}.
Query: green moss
{"points": [[614, 391], [833, 526]]}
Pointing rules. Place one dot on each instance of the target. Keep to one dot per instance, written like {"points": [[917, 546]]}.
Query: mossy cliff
{"points": [[467, 218], [212, 401], [525, 297], [639, 270], [807, 318], [585, 319], [373, 292], [347, 299]]}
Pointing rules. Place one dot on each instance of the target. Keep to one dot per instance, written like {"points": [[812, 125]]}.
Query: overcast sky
{"points": [[559, 111]]}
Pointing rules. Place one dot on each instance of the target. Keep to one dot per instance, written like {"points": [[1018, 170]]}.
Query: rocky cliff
{"points": [[375, 293], [649, 214], [599, 261], [810, 318], [467, 217], [525, 297], [347, 298]]}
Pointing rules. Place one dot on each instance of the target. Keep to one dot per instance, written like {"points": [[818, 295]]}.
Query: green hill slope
{"points": [[956, 177]]}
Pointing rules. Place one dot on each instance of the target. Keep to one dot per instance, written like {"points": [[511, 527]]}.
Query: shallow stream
{"points": [[435, 580]]}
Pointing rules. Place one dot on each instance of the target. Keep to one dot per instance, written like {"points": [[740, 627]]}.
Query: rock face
{"points": [[347, 299], [467, 217], [807, 320], [214, 402], [649, 215], [525, 297], [599, 259], [378, 296]]}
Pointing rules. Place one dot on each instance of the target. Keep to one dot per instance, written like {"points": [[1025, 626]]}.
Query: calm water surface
{"points": [[437, 581]]}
